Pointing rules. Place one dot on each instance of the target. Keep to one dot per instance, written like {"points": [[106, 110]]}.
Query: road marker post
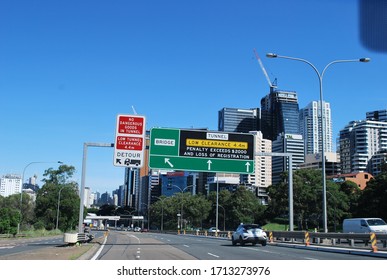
{"points": [[307, 239], [271, 237], [374, 242]]}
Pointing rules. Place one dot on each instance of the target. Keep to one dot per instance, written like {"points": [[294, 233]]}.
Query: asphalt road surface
{"points": [[125, 245]]}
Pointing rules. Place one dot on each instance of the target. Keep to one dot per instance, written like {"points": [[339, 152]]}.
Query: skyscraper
{"points": [[311, 129], [380, 115], [261, 178], [286, 143], [239, 120], [279, 114], [10, 184], [280, 123], [236, 120], [359, 141]]}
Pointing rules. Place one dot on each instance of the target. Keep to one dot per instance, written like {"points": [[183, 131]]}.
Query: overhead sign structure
{"points": [[201, 150], [129, 141]]}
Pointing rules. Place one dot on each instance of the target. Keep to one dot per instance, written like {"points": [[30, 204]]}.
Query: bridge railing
{"points": [[359, 240], [333, 239]]}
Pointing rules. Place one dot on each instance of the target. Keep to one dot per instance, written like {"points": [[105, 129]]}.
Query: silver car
{"points": [[249, 233]]}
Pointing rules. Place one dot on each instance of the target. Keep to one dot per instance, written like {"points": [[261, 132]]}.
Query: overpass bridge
{"points": [[101, 222]]}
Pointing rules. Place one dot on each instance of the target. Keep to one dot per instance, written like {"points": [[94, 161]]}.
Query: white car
{"points": [[249, 233], [213, 229]]}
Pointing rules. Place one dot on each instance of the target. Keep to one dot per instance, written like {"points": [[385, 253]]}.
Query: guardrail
{"points": [[333, 239], [374, 241]]}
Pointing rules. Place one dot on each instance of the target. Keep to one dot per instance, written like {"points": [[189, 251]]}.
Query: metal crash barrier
{"points": [[333, 239], [372, 241]]}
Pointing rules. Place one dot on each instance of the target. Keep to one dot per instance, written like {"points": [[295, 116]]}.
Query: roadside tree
{"points": [[48, 198]]}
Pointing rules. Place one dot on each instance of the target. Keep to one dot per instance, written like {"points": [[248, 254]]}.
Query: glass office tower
{"points": [[239, 120], [279, 114]]}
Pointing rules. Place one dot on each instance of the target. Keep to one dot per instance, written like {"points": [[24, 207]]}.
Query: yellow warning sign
{"points": [[216, 144]]}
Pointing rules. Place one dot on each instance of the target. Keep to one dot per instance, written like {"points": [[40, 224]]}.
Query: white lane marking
{"points": [[138, 249], [274, 253], [213, 255], [138, 239], [138, 253], [186, 246], [7, 247], [100, 250]]}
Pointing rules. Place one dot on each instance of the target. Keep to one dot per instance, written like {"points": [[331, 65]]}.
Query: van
{"points": [[364, 225]]}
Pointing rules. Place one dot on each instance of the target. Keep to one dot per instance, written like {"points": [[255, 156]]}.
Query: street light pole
{"points": [[224, 217], [147, 209], [181, 210], [320, 79], [162, 212], [21, 188], [57, 210]]}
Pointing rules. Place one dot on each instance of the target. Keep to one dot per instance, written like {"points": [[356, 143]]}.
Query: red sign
{"points": [[130, 125], [129, 143]]}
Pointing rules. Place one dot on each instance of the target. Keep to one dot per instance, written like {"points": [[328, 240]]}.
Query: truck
{"points": [[364, 225]]}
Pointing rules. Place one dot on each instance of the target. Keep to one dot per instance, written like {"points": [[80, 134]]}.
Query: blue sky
{"points": [[67, 68]]}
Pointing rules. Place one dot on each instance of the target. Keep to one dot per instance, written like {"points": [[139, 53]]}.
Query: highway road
{"points": [[20, 246], [15, 246], [127, 245]]}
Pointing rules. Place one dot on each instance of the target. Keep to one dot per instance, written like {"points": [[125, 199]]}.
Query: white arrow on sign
{"points": [[209, 164], [247, 166], [166, 160]]}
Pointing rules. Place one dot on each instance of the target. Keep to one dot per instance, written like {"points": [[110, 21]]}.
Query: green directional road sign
{"points": [[201, 150]]}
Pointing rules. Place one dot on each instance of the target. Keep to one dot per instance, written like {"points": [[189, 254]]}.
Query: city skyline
{"points": [[69, 69]]}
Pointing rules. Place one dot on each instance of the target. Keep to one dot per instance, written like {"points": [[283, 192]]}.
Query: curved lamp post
{"points": [[181, 211], [147, 209], [224, 216], [162, 211], [320, 79]]}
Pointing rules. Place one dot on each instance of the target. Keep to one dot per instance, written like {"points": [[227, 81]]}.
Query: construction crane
{"points": [[272, 85]]}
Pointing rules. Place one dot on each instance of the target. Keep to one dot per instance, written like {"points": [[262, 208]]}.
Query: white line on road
{"points": [[100, 250], [138, 239], [7, 247], [213, 255], [186, 246]]}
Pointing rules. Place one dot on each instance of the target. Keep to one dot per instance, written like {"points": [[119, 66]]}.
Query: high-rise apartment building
{"points": [[286, 143], [359, 142], [279, 114], [239, 120], [311, 129], [10, 184], [380, 115], [261, 178]]}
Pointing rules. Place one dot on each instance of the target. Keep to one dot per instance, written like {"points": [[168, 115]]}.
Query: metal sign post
{"points": [[290, 182]]}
